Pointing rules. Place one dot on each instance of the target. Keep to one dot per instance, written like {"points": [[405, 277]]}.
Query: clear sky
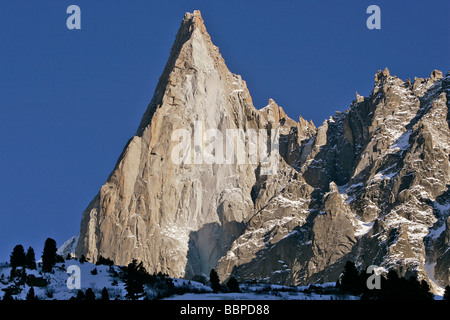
{"points": [[70, 99]]}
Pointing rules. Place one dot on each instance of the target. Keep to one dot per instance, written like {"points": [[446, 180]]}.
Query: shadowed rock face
{"points": [[370, 185]]}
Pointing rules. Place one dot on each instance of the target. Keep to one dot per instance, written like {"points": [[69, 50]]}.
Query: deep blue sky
{"points": [[70, 99]]}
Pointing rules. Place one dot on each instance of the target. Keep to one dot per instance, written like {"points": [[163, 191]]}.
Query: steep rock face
{"points": [[178, 218], [370, 184], [389, 156]]}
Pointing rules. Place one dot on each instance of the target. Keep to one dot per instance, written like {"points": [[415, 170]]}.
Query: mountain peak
{"points": [[190, 22], [436, 75], [192, 51], [161, 203], [382, 74], [194, 18]]}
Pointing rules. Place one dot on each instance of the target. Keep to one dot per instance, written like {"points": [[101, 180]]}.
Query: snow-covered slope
{"points": [[68, 247], [55, 286], [57, 281]]}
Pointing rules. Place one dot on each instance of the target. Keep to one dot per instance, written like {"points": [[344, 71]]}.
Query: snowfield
{"points": [[110, 278], [57, 281]]}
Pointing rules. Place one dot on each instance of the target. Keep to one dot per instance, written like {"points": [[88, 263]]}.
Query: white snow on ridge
{"points": [[285, 202], [363, 228], [346, 189], [68, 247], [401, 143], [290, 234]]}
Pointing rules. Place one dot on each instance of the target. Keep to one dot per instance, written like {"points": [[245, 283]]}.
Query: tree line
{"points": [[352, 281], [21, 260], [392, 286], [49, 257]]}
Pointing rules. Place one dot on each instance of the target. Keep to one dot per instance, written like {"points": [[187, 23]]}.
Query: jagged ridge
{"points": [[370, 184]]}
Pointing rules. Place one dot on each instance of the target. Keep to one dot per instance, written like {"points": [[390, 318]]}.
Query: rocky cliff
{"points": [[178, 218], [380, 177], [370, 184]]}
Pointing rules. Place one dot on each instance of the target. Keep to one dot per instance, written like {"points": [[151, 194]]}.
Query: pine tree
{"points": [[425, 292], [104, 261], [12, 273], [134, 280], [80, 295], [447, 293], [90, 295], [31, 295], [350, 281], [49, 255], [17, 258], [30, 260], [233, 285], [215, 281], [8, 296], [394, 286], [105, 294], [23, 276]]}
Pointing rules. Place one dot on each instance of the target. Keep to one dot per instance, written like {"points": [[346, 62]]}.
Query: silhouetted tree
{"points": [[31, 295], [80, 295], [105, 294], [233, 285], [350, 281], [8, 296], [23, 275], [17, 258], [447, 293], [424, 291], [49, 255], [215, 281], [104, 261], [90, 295], [391, 288], [135, 274], [12, 273], [30, 260], [394, 287]]}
